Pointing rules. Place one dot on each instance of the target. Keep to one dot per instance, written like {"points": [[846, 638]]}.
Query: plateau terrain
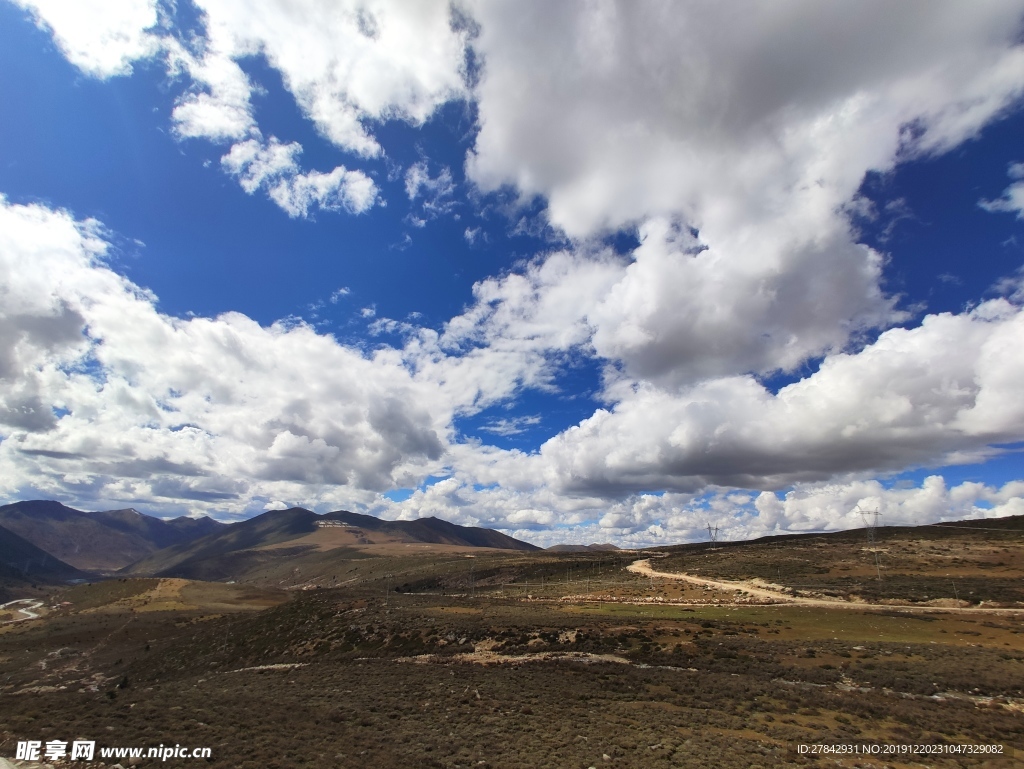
{"points": [[333, 641]]}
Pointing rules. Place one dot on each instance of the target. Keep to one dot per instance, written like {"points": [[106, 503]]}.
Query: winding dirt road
{"points": [[29, 612], [777, 597]]}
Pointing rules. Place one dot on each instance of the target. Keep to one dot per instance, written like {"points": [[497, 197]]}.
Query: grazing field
{"points": [[530, 660]]}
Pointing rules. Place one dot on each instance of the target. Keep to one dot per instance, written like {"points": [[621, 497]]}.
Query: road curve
{"points": [[29, 612]]}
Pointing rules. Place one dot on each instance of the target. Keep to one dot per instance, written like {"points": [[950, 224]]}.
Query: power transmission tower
{"points": [[712, 533], [870, 518]]}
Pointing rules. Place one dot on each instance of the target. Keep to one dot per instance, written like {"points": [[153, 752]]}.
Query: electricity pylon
{"points": [[713, 533]]}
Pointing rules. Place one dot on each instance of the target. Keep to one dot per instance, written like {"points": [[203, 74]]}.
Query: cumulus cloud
{"points": [[341, 189], [682, 312], [516, 332], [644, 520], [346, 63], [105, 397], [905, 400], [218, 106], [733, 145], [100, 39], [274, 167], [349, 63], [734, 141], [722, 116]]}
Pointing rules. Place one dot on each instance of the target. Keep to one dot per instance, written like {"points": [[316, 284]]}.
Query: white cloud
{"points": [[722, 115], [734, 143], [419, 182], [436, 194], [349, 63], [273, 166], [100, 38], [1012, 200], [511, 425], [416, 177], [212, 411], [341, 189], [257, 165], [679, 314], [644, 520], [755, 129], [219, 105], [105, 398], [940, 392], [516, 332], [830, 507]]}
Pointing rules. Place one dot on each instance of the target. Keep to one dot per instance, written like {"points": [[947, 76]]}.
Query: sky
{"points": [[581, 272]]}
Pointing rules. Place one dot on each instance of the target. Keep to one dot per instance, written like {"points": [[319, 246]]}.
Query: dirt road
{"points": [[643, 567], [29, 611]]}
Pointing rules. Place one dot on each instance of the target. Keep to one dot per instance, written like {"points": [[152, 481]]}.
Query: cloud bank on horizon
{"points": [[754, 366]]}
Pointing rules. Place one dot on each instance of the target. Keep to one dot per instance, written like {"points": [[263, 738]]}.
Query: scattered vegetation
{"points": [[521, 660]]}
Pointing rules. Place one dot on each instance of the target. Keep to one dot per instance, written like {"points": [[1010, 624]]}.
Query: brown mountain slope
{"points": [[595, 548], [434, 531], [99, 542], [22, 563], [246, 545]]}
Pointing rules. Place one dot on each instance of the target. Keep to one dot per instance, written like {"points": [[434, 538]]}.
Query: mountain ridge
{"points": [[100, 542], [279, 533]]}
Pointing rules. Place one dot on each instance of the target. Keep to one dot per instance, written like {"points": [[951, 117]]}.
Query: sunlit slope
{"points": [[262, 542]]}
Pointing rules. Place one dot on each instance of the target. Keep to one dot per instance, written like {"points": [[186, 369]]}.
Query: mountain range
{"points": [[100, 542], [248, 545], [595, 548], [48, 541]]}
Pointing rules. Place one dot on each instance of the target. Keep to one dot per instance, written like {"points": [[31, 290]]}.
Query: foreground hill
{"points": [[99, 542], [245, 547]]}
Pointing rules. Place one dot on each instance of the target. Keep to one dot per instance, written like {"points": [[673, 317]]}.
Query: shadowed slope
{"points": [[101, 542]]}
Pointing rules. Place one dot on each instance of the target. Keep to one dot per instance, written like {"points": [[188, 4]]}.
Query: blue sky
{"points": [[587, 273]]}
